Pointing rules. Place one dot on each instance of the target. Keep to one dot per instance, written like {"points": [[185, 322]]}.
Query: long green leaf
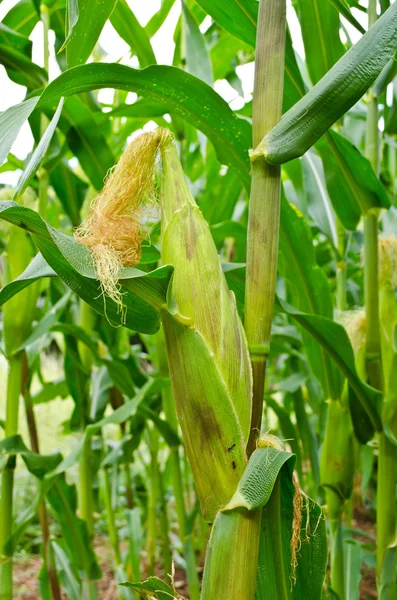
{"points": [[38, 155], [333, 338], [189, 97], [343, 7], [198, 61], [93, 15], [310, 290], [128, 27], [144, 293], [320, 31], [334, 94], [11, 121]]}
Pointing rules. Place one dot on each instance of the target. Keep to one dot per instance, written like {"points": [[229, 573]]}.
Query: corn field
{"points": [[198, 292]]}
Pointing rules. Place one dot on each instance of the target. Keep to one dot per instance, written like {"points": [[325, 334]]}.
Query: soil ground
{"points": [[26, 570]]}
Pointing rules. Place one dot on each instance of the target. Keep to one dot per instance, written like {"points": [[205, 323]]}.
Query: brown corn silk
{"points": [[114, 231]]}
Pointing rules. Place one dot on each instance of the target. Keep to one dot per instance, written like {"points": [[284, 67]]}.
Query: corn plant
{"points": [[217, 292]]}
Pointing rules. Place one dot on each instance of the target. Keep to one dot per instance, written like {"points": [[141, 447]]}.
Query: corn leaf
{"points": [[86, 31], [274, 578], [310, 290], [343, 7], [333, 338], [320, 31], [334, 94], [144, 294], [11, 121], [37, 464], [22, 17], [128, 27], [39, 153], [21, 69], [352, 196], [37, 269], [189, 98], [197, 57]]}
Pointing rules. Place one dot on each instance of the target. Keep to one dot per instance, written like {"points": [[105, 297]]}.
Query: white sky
{"points": [[163, 46]]}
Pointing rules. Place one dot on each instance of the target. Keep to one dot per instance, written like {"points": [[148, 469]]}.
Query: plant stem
{"points": [[336, 550], [86, 500], [176, 474], [152, 504], [15, 364], [164, 525], [110, 518], [341, 267], [49, 559], [264, 208], [43, 174], [387, 471]]}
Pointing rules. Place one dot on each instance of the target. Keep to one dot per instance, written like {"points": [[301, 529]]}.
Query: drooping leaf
{"points": [[128, 27], [353, 186], [144, 293], [39, 153], [189, 97], [333, 338], [334, 94], [37, 269], [21, 69], [320, 31], [86, 31], [37, 464], [197, 57], [11, 121]]}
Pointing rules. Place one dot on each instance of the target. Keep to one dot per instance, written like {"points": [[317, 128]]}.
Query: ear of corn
{"points": [[209, 362]]}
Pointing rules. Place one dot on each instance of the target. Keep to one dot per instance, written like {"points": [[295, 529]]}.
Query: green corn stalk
{"points": [[387, 468], [17, 319], [386, 489], [337, 474], [264, 208]]}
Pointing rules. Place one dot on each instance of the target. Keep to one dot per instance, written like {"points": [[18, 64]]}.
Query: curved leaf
{"points": [[93, 15], [334, 94], [189, 97], [11, 121], [39, 153], [143, 293], [334, 339], [37, 269]]}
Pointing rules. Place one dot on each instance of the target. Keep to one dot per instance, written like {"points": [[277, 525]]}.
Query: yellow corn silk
{"points": [[207, 352]]}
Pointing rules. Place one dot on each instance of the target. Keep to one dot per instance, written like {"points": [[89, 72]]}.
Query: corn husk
{"points": [[208, 358]]}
